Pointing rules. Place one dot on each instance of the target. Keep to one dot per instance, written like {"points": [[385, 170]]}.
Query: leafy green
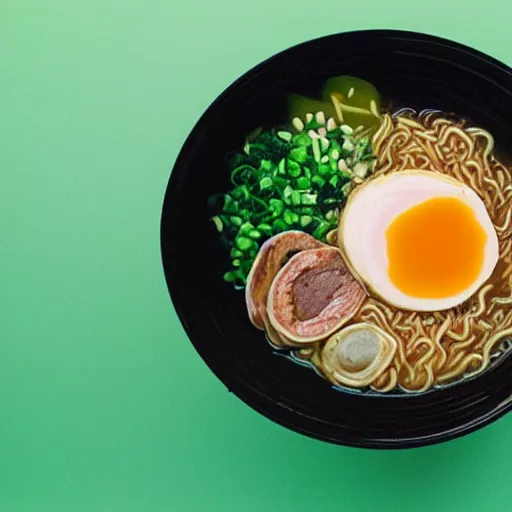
{"points": [[282, 182]]}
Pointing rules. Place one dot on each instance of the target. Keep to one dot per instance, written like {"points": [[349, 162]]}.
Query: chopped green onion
{"points": [[265, 183], [324, 169], [332, 216], [303, 183], [266, 229], [299, 154], [287, 136], [246, 228], [316, 150], [266, 165], [235, 220], [241, 192], [346, 129], [277, 206], [230, 206], [293, 169], [279, 225], [218, 223], [342, 165], [321, 230], [288, 181], [347, 145], [331, 124], [301, 140], [243, 243], [287, 194], [298, 124], [280, 183], [318, 180], [360, 170], [346, 188], [296, 198], [308, 199], [305, 220], [288, 217], [232, 276]]}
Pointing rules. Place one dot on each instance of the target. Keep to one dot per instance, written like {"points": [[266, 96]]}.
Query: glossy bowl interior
{"points": [[408, 69]]}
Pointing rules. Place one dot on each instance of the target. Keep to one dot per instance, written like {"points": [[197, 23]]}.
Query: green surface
{"points": [[105, 406]]}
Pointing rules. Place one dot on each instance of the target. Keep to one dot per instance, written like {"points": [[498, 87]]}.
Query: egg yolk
{"points": [[435, 249]]}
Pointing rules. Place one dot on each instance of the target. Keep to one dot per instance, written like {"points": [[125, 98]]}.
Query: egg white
{"points": [[373, 207]]}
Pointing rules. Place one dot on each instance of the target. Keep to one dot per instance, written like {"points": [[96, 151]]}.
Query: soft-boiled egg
{"points": [[420, 240]]}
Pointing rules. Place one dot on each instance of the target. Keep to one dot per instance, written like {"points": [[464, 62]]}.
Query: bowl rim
{"points": [[262, 403]]}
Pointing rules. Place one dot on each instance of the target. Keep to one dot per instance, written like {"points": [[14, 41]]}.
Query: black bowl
{"points": [[408, 69]]}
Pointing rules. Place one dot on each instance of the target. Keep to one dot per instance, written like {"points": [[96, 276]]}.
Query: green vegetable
{"points": [[299, 154], [244, 244], [348, 145], [246, 228], [302, 140], [332, 216], [324, 169], [287, 136], [296, 198], [266, 182], [287, 194], [305, 220], [276, 206], [303, 183], [266, 229], [230, 206], [293, 169], [288, 217], [334, 180], [321, 230], [266, 165], [218, 223], [318, 180], [279, 225], [282, 182], [308, 199], [236, 221]]}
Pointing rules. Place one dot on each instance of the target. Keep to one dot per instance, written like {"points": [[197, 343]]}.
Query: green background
{"points": [[104, 404]]}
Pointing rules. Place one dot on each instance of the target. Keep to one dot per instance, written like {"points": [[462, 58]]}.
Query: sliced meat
{"points": [[313, 295], [273, 255]]}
